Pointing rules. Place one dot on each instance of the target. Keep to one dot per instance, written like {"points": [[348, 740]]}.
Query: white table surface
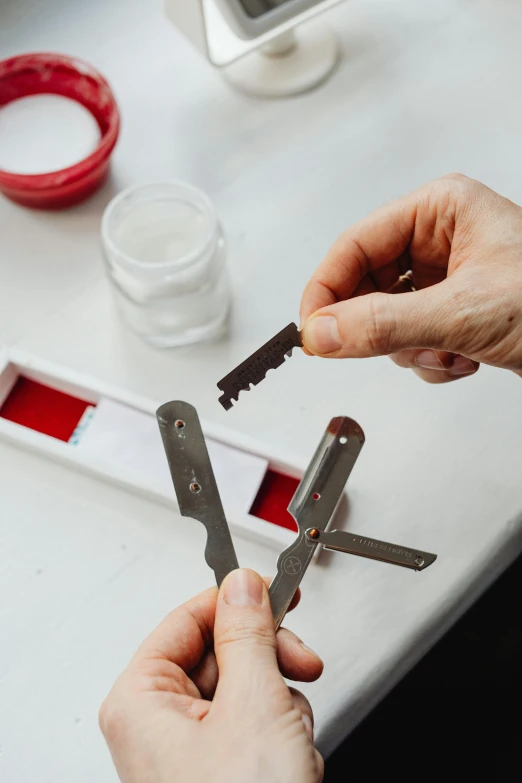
{"points": [[86, 569]]}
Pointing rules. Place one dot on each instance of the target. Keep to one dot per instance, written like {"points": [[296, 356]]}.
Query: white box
{"points": [[15, 363]]}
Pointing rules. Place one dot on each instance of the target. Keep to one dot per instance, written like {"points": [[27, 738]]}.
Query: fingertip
{"points": [[463, 366], [296, 660], [243, 587], [311, 653], [321, 334]]}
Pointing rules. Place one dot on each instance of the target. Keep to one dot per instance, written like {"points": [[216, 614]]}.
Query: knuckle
{"points": [[457, 175], [300, 701], [244, 631], [457, 185], [402, 359], [112, 720], [379, 332]]}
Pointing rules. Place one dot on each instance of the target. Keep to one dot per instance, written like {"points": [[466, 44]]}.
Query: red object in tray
{"points": [[58, 74], [273, 498], [56, 413], [43, 409]]}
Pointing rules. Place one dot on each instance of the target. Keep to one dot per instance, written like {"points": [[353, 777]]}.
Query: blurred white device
{"points": [[268, 48]]}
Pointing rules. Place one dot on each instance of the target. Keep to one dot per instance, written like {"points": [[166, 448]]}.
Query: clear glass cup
{"points": [[165, 256]]}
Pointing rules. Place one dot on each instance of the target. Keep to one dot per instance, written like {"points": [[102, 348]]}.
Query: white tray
{"points": [[107, 466]]}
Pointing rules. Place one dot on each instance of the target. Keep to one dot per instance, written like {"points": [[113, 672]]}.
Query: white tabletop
{"points": [[87, 570]]}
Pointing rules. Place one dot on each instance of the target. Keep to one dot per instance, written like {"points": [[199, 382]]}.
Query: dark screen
{"points": [[259, 7]]}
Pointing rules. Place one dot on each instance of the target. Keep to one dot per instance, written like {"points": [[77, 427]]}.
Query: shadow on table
{"points": [[457, 713]]}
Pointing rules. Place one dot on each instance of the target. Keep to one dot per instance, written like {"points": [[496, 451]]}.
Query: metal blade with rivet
{"points": [[312, 507], [354, 544], [194, 482], [253, 370]]}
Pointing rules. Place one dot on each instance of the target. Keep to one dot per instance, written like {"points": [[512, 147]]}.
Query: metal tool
{"points": [[353, 544], [272, 354], [312, 506], [253, 370], [194, 482]]}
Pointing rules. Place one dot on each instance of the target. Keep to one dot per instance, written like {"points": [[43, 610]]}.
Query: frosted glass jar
{"points": [[165, 256]]}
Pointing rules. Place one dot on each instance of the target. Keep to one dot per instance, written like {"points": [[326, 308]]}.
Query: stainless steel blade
{"points": [[313, 504], [353, 544], [194, 482]]}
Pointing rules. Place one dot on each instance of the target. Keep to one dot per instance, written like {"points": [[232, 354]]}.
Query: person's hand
{"points": [[204, 697], [463, 243]]}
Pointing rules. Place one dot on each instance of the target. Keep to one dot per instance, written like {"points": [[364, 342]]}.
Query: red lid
{"points": [[32, 74]]}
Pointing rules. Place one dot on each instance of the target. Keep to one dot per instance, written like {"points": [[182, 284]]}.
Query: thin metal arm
{"points": [[353, 544], [313, 505]]}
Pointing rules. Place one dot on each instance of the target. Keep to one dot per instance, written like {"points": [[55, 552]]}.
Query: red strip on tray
{"points": [[273, 498], [43, 409], [55, 413]]}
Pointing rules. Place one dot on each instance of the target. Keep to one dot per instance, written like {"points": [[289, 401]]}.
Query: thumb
{"points": [[244, 638], [377, 324]]}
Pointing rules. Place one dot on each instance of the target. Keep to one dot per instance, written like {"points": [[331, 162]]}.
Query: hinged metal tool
{"points": [[312, 506]]}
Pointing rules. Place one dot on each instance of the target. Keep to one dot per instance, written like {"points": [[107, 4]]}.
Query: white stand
{"points": [[292, 63]]}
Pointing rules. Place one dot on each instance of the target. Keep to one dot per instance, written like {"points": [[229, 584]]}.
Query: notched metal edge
{"points": [[226, 399], [223, 385]]}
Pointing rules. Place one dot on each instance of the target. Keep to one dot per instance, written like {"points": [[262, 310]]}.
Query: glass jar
{"points": [[165, 256]]}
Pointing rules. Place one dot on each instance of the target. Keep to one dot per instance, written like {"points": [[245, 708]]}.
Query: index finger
{"points": [[184, 634], [187, 632], [368, 245]]}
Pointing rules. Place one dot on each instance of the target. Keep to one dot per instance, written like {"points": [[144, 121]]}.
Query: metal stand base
{"points": [[292, 63]]}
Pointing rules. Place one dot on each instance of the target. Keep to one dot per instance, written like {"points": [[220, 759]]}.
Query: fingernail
{"points": [[321, 334], [429, 360], [243, 588], [462, 366], [308, 726], [309, 650]]}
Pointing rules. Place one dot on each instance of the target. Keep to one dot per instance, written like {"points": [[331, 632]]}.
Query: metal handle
{"points": [[194, 482]]}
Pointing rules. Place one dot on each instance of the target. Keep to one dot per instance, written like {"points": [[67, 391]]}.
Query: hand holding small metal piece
{"points": [[272, 354]]}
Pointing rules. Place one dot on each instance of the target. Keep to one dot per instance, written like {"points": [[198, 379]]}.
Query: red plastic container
{"points": [[32, 74]]}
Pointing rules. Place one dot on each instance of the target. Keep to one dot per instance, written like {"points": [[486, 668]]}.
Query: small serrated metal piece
{"points": [[253, 370]]}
